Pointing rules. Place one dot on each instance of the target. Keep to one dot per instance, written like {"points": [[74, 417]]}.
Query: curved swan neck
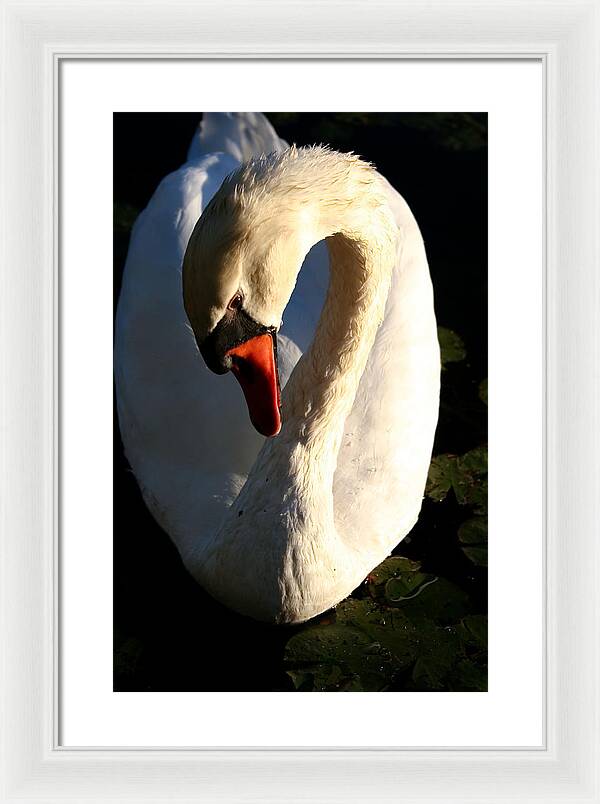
{"points": [[362, 236]]}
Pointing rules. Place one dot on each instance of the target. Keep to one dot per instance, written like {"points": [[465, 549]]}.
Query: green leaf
{"points": [[407, 585], [440, 601], [371, 647], [478, 555], [388, 629], [301, 679], [324, 643], [335, 657], [392, 567], [440, 477], [468, 676], [408, 638], [473, 630], [470, 479], [431, 668], [124, 216], [399, 583], [470, 672], [472, 535], [466, 475], [483, 391], [474, 461], [452, 348], [473, 531]]}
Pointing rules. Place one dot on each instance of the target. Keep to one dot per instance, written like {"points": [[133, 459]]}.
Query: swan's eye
{"points": [[236, 302]]}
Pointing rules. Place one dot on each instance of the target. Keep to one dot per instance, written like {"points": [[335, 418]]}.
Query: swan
{"points": [[282, 495]]}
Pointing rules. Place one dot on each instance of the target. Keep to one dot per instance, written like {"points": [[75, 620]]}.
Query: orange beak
{"points": [[254, 365]]}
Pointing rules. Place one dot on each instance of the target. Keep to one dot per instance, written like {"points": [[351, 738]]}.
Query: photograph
{"points": [[300, 401], [313, 411]]}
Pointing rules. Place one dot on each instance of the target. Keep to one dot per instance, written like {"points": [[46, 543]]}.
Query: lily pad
{"points": [[473, 630], [440, 601], [465, 474], [452, 348], [435, 662], [371, 646], [388, 628], [441, 476], [336, 657], [468, 676], [473, 531], [399, 583], [406, 639], [472, 535], [406, 586], [483, 391], [124, 216], [478, 555], [392, 567]]}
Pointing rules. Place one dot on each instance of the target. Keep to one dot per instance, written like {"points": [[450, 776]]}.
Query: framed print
{"points": [[146, 662], [119, 679]]}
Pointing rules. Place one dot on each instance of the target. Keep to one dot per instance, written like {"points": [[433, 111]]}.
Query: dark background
{"points": [[169, 634]]}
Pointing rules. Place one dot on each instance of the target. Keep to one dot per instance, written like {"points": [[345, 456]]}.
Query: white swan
{"points": [[283, 528]]}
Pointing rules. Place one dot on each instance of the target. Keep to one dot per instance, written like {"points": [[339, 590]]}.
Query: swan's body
{"points": [[280, 529]]}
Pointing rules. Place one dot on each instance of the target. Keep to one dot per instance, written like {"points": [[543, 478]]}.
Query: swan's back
{"points": [[241, 136]]}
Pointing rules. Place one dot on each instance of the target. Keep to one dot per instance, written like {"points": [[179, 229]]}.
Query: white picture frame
{"points": [[564, 35]]}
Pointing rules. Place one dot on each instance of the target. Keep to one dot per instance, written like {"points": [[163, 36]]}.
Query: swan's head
{"points": [[239, 271]]}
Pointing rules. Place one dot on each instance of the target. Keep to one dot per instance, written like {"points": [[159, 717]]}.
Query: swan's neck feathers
{"points": [[283, 518], [289, 202], [321, 392]]}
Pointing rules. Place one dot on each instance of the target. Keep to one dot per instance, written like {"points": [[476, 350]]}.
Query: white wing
{"points": [[240, 135]]}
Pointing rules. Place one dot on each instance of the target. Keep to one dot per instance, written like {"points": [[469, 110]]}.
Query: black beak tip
{"points": [[216, 363], [234, 328]]}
